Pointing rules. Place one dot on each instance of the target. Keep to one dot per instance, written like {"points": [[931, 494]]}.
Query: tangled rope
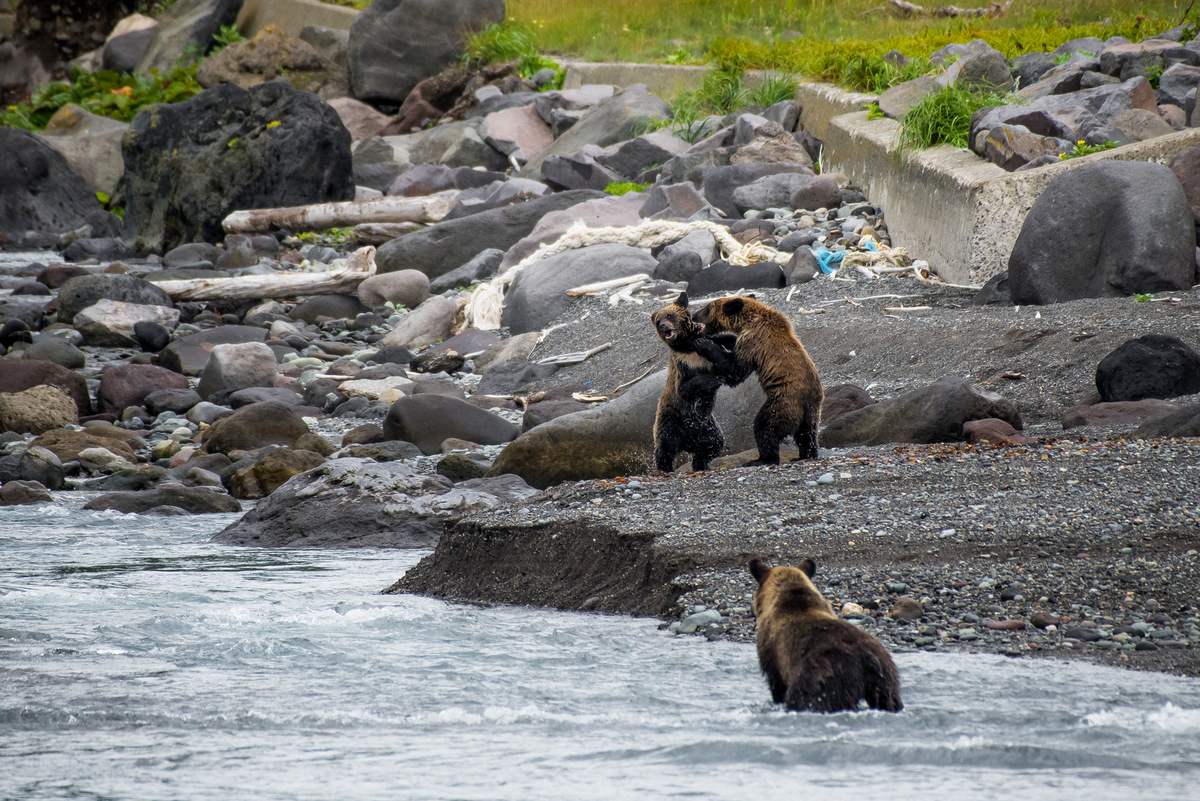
{"points": [[486, 305]]}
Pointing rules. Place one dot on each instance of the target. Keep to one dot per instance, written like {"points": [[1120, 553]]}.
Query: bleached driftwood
{"points": [[378, 233], [600, 286], [428, 209], [992, 10], [575, 358], [359, 267]]}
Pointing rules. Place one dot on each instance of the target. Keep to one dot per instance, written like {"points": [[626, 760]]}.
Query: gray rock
{"points": [[429, 419], [446, 246], [962, 51], [424, 325], [338, 307], [1175, 83], [986, 70], [426, 179], [933, 414], [1139, 124], [482, 267], [771, 191], [122, 53], [577, 172], [130, 479], [253, 427], [190, 354], [1102, 104], [677, 201], [376, 164], [193, 500], [21, 493], [822, 193], [92, 144], [628, 159], [394, 451], [404, 288], [721, 182], [1151, 366], [111, 324], [185, 31], [234, 367], [245, 397], [785, 112], [1182, 423], [721, 276], [1013, 146], [538, 294], [57, 350], [125, 385], [331, 44], [1028, 68], [205, 412], [700, 242], [1141, 58], [35, 464], [507, 377], [349, 503], [178, 401], [897, 100], [471, 151], [39, 189], [1131, 231]]}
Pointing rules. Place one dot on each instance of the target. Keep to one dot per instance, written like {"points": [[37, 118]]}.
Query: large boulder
{"points": [[604, 212], [538, 294], [19, 493], [932, 414], [39, 189], [130, 384], [427, 420], [83, 291], [253, 427], [189, 355], [18, 376], [1182, 423], [721, 182], [1106, 229], [1151, 366], [403, 288], [1186, 166], [112, 324], [446, 246], [193, 500], [358, 503], [234, 367], [272, 471], [67, 444], [623, 116], [273, 56], [185, 31], [91, 143], [36, 410], [428, 323], [617, 438], [395, 44], [1072, 115], [189, 165]]}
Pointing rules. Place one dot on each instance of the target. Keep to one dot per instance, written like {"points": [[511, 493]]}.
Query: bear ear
{"points": [[682, 300], [808, 567], [734, 305], [759, 571]]}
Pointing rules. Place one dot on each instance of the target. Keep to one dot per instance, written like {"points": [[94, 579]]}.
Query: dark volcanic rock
{"points": [[79, 293], [427, 420], [253, 427], [1106, 229], [39, 189], [933, 414], [1182, 423], [189, 355], [722, 276], [193, 500], [355, 503], [188, 165], [1152, 366], [186, 30]]}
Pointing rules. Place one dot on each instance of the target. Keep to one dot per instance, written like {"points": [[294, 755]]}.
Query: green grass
{"points": [[1083, 149], [624, 188], [944, 117], [512, 41]]}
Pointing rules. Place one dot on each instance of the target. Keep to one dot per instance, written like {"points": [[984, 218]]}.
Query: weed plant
{"points": [[109, 94], [944, 117], [624, 187], [1082, 148], [512, 41]]}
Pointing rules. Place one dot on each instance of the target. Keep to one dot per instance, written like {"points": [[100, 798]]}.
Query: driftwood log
{"points": [[359, 267], [424, 210], [991, 11]]}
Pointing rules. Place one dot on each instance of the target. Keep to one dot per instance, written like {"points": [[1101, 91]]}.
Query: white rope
{"points": [[486, 305]]}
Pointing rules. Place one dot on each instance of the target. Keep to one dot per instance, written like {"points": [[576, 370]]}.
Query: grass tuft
{"points": [[624, 187], [109, 94], [944, 117]]}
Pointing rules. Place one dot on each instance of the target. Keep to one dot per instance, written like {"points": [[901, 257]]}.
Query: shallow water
{"points": [[140, 661]]}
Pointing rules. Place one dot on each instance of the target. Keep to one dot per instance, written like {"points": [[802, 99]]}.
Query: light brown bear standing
{"points": [[812, 659], [767, 345]]}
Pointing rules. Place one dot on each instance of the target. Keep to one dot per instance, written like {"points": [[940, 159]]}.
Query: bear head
{"points": [[675, 326], [787, 589], [725, 314]]}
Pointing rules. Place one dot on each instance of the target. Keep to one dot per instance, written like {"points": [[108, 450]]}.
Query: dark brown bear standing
{"points": [[767, 345], [685, 421], [813, 660]]}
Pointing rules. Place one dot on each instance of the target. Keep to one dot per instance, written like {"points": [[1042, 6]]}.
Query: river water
{"points": [[139, 661]]}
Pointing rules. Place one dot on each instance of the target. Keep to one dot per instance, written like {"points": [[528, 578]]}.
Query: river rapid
{"points": [[139, 661]]}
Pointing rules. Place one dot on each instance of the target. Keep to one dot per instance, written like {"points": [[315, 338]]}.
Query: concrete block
{"points": [[292, 16]]}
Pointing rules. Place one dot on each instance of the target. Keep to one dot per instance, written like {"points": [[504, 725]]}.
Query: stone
{"points": [[100, 249], [1101, 104], [1140, 58], [39, 189], [84, 291], [517, 132], [35, 464], [187, 27], [193, 500], [1186, 166], [1132, 231], [1041, 620], [547, 410], [234, 367], [616, 438], [1183, 422], [403, 288], [445, 361], [377, 164], [508, 377], [245, 397], [177, 401], [91, 143], [537, 295], [460, 467], [151, 336], [602, 212], [373, 389], [271, 145], [483, 266], [427, 179], [37, 410], [1028, 68], [801, 268], [631, 158], [996, 432], [427, 323], [427, 420], [122, 53], [576, 172], [1118, 413], [841, 399], [935, 413], [1176, 82], [101, 460], [906, 608], [253, 427], [395, 44], [110, 323], [353, 503], [785, 112], [986, 71], [446, 246], [1139, 124], [770, 191], [189, 355], [720, 183], [897, 100], [273, 470], [513, 349], [57, 350], [822, 193], [131, 479], [380, 451], [1174, 116], [618, 118], [363, 435], [677, 201], [127, 385], [20, 493], [67, 444], [469, 150], [700, 242], [18, 376], [270, 55], [337, 307], [1151, 366], [959, 50], [1012, 146], [206, 413], [781, 148], [720, 277], [331, 43], [55, 275]]}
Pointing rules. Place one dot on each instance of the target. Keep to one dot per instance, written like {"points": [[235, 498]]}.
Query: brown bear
{"points": [[812, 659], [685, 421], [767, 345]]}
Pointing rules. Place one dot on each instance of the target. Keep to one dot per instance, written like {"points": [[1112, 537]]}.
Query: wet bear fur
{"points": [[684, 420], [767, 345], [812, 659]]}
